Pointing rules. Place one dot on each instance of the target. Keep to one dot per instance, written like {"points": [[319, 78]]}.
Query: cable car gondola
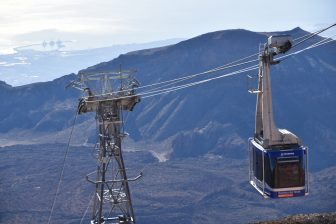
{"points": [[278, 160]]}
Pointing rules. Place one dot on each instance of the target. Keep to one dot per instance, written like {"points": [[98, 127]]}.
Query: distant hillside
{"points": [[30, 66], [216, 117]]}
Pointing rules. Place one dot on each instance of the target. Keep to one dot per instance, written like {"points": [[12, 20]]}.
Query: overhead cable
{"points": [[320, 43], [157, 92], [232, 64], [87, 208], [62, 170], [313, 35]]}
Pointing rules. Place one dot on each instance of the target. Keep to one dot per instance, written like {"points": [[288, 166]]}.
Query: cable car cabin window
{"points": [[279, 172], [289, 172], [258, 164], [269, 171]]}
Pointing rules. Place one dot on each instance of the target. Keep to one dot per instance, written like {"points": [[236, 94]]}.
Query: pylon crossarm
{"points": [[91, 103], [113, 181]]}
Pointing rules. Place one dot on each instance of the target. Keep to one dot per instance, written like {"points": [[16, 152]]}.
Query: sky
{"points": [[98, 23]]}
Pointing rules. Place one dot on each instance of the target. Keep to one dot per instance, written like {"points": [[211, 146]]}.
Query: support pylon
{"points": [[112, 200]]}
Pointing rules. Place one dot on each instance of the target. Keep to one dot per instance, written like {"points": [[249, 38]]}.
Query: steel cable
{"points": [[62, 170]]}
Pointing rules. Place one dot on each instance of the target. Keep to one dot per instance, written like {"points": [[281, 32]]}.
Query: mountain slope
{"points": [[303, 90], [215, 117]]}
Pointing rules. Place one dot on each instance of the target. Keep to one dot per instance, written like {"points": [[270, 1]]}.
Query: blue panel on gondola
{"points": [[278, 172], [274, 153]]}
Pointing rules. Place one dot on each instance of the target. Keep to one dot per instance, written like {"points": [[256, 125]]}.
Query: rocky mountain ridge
{"points": [[303, 92]]}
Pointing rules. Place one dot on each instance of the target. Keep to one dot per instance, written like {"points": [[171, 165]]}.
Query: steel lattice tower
{"points": [[112, 200]]}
